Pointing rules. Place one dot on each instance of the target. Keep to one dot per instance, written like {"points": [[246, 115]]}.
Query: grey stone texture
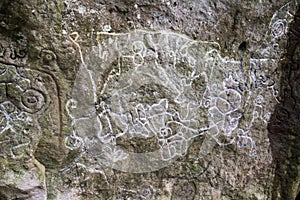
{"points": [[157, 99]]}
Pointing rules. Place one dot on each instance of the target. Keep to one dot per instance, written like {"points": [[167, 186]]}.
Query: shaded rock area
{"points": [[158, 99], [284, 127]]}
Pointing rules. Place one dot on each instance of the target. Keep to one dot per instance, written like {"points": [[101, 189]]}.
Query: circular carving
{"points": [[278, 28], [184, 190], [48, 56], [72, 142], [228, 101], [165, 132], [146, 193], [33, 100], [48, 60]]}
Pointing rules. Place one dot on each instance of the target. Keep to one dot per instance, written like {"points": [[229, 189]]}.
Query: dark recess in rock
{"points": [[284, 125], [243, 46]]}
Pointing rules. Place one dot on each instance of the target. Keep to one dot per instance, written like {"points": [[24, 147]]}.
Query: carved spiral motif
{"points": [[278, 28], [23, 98], [33, 100]]}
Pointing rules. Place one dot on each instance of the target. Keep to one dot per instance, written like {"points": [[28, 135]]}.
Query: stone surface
{"points": [[26, 184], [158, 99]]}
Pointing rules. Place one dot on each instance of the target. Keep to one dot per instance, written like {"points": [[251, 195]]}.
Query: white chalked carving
{"points": [[165, 85]]}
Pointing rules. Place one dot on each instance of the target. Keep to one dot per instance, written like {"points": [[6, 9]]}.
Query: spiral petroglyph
{"points": [[23, 101]]}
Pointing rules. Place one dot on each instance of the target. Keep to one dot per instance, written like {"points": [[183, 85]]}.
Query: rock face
{"points": [[157, 99], [284, 127]]}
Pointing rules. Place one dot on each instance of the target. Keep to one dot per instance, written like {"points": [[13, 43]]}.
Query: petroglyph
{"points": [[187, 102], [23, 101], [276, 35], [184, 190], [278, 28], [140, 94], [14, 51], [167, 86]]}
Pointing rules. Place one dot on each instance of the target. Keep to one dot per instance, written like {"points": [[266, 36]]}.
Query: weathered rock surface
{"points": [[30, 183], [157, 99]]}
